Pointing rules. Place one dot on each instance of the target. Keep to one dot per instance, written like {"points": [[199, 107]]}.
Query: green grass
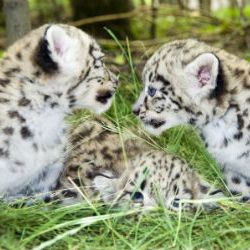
{"points": [[95, 226]]}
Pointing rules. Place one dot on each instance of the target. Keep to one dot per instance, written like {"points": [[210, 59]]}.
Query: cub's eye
{"points": [[151, 91], [137, 197]]}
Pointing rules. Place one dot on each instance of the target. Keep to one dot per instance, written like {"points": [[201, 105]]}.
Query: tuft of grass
{"points": [[95, 226], [82, 227]]}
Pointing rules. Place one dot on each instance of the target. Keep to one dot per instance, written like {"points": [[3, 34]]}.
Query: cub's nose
{"points": [[103, 97], [136, 111]]}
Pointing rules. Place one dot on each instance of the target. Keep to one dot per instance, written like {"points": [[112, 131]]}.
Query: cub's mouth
{"points": [[154, 123], [154, 126], [103, 97]]}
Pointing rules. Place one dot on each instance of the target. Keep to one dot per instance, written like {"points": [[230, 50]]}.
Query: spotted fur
{"points": [[43, 77], [121, 167], [190, 82]]}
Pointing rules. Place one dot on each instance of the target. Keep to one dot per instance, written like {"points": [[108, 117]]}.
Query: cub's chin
{"points": [[155, 130], [103, 108], [97, 107]]}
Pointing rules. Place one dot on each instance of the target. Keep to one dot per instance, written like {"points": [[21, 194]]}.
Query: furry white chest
{"points": [[221, 139], [35, 162]]}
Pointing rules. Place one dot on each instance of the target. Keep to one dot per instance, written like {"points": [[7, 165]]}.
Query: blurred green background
{"points": [[147, 23]]}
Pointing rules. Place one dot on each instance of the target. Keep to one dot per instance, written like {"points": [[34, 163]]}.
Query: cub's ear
{"points": [[204, 69], [53, 49], [58, 41]]}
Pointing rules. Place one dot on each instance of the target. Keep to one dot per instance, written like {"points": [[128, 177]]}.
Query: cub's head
{"points": [[63, 60], [183, 83]]}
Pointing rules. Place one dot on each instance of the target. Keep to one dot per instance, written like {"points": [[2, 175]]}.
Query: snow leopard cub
{"points": [[43, 77], [124, 168], [190, 82]]}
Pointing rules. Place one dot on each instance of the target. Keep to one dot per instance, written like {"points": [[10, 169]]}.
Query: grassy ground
{"points": [[94, 226]]}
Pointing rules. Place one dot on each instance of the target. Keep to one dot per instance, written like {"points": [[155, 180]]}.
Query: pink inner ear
{"points": [[58, 48], [204, 76]]}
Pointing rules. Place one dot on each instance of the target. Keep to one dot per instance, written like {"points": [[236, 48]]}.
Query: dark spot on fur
{"points": [[77, 181], [160, 78], [240, 121], [238, 72], [12, 71], [43, 58], [4, 100], [175, 189], [176, 103], [220, 88], [59, 94], [106, 155], [23, 102], [19, 163], [118, 151], [177, 176], [69, 193], [79, 136], [188, 110], [102, 136], [143, 184], [25, 132], [204, 189], [246, 83], [89, 174], [225, 142], [34, 145], [236, 180], [233, 192], [150, 77], [37, 73], [238, 136], [4, 82], [46, 98], [244, 155], [8, 130], [215, 192], [27, 45], [192, 121], [72, 100], [54, 104], [19, 55], [14, 114], [187, 191], [245, 113], [179, 45], [73, 167], [4, 153]]}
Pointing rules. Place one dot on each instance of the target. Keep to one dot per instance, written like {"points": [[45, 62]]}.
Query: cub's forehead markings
{"points": [[95, 51]]}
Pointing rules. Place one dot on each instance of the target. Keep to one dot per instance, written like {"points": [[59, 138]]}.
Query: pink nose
{"points": [[136, 111]]}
